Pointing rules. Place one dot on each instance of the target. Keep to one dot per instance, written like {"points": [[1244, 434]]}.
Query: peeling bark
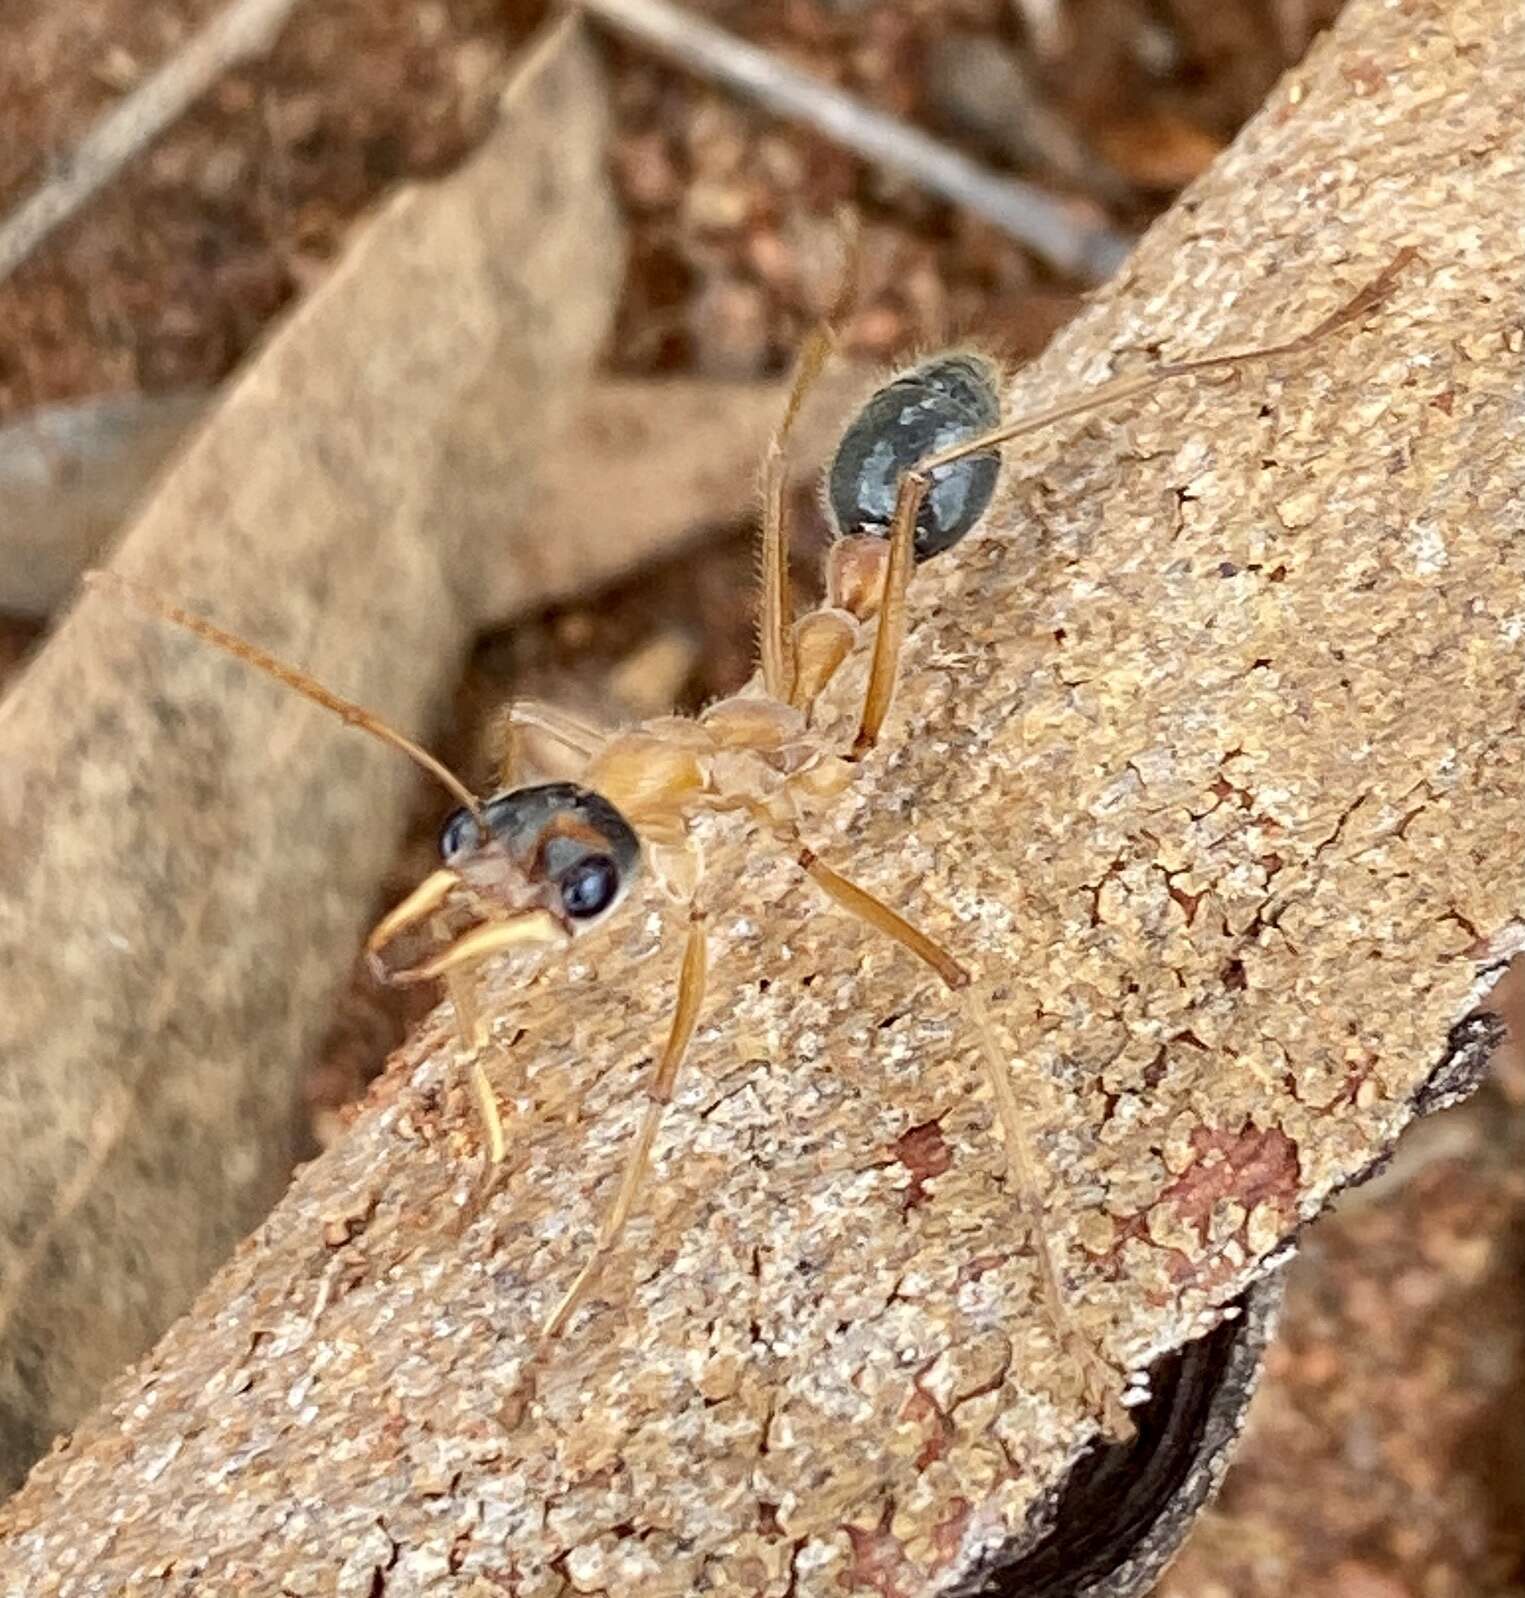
{"points": [[1125, 1509], [1207, 754]]}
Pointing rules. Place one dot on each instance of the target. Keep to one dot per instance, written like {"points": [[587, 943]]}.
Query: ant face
{"points": [[555, 846], [943, 402]]}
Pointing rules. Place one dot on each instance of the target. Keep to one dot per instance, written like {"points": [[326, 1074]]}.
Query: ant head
{"points": [[555, 847], [945, 401]]}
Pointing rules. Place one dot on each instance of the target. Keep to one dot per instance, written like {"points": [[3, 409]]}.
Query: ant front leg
{"points": [[457, 965], [471, 1041], [580, 737]]}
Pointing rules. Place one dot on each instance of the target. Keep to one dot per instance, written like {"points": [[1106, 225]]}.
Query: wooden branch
{"points": [[242, 28], [519, 519], [1207, 754], [1058, 234]]}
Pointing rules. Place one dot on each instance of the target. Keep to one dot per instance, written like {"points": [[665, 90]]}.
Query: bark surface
{"points": [[1207, 754]]}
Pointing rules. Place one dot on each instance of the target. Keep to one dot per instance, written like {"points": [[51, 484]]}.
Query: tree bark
{"points": [[1207, 754], [468, 316]]}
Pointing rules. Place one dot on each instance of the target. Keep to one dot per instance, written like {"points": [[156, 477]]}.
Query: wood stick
{"points": [[676, 455], [1211, 735], [1028, 214], [188, 863], [241, 29]]}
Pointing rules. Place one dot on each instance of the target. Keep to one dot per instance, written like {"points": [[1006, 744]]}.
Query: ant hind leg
{"points": [[1102, 1381], [916, 482]]}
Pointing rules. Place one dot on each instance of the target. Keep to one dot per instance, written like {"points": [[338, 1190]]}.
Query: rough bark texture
{"points": [[1386, 1455], [1207, 753], [174, 855], [1126, 1507]]}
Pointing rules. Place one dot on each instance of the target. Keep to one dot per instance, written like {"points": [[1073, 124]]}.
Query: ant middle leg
{"points": [[775, 620]]}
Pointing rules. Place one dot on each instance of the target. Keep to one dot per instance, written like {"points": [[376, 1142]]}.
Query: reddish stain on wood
{"points": [[925, 1154]]}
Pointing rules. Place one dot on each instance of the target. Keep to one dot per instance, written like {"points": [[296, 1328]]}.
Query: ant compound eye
{"points": [[943, 402], [459, 835], [589, 887]]}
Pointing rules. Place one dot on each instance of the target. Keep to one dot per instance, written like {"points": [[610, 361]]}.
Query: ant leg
{"points": [[775, 622], [1366, 299], [457, 964], [915, 483], [659, 1091], [535, 715], [885, 664], [1101, 1379], [471, 1040]]}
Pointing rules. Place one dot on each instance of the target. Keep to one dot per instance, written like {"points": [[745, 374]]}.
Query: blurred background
{"points": [[1384, 1457]]}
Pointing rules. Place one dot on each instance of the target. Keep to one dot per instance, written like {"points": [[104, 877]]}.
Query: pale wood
{"points": [[1068, 237], [241, 29]]}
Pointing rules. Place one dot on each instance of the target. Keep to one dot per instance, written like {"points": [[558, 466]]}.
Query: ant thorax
{"points": [[752, 751], [746, 753]]}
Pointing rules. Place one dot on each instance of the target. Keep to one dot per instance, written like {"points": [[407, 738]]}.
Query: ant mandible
{"points": [[543, 865]]}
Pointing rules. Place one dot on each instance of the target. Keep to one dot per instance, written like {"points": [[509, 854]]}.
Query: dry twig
{"points": [[243, 28], [676, 455], [159, 1006], [1034, 218], [1207, 754]]}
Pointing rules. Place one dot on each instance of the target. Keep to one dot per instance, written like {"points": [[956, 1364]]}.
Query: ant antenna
{"points": [[356, 715]]}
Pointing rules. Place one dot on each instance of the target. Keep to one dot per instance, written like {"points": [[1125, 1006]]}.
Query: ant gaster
{"points": [[541, 865]]}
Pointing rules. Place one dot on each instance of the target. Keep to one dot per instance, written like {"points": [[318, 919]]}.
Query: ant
{"points": [[541, 866]]}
